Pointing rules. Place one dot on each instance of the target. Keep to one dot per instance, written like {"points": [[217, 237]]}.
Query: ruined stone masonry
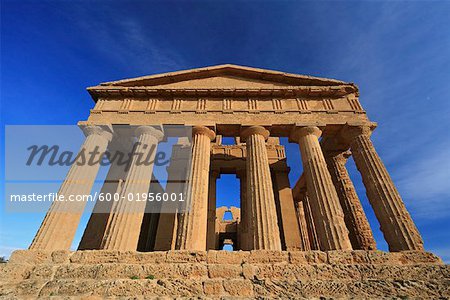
{"points": [[308, 240]]}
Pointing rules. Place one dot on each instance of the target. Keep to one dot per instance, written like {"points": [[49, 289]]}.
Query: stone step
{"points": [[146, 288], [225, 257], [287, 271]]}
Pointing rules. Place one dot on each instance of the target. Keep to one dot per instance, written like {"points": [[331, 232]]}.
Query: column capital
{"points": [[101, 130], [298, 132], [203, 131], [150, 130], [350, 132], [340, 155], [252, 130]]}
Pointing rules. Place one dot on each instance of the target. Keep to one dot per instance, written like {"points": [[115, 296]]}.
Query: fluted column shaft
{"points": [[312, 233], [192, 230], [177, 175], [289, 220], [266, 232], [212, 238], [305, 243], [123, 229], [325, 207], [398, 228], [360, 233], [61, 221], [246, 224]]}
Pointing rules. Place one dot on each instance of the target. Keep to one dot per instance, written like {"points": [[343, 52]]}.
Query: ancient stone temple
{"points": [[309, 238]]}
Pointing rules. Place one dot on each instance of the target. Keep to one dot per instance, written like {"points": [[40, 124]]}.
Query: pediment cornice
{"points": [[312, 91]]}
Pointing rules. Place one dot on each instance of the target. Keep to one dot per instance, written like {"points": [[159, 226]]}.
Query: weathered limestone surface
{"points": [[266, 234], [324, 202], [192, 229], [61, 222], [215, 274], [396, 224], [360, 233]]}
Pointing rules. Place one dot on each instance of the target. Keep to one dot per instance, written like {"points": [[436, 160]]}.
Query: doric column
{"points": [[246, 224], [304, 237], [192, 229], [312, 233], [289, 220], [211, 240], [95, 229], [324, 202], [61, 222], [123, 229], [398, 228], [360, 233], [177, 174], [266, 232]]}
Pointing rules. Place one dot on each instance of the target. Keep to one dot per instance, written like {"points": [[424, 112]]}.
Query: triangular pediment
{"points": [[224, 77]]}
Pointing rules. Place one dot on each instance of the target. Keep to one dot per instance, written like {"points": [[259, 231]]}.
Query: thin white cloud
{"points": [[123, 40]]}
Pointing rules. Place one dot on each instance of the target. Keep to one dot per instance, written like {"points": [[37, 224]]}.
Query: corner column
{"points": [[324, 201], [396, 224], [266, 233], [360, 233], [192, 229], [123, 229], [61, 221]]}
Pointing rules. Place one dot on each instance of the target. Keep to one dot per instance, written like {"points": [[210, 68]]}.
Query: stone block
{"points": [[186, 256], [95, 257], [119, 271], [32, 257], [227, 257], [224, 271], [267, 256], [76, 271], [238, 287], [248, 271], [337, 272], [74, 287], [14, 272], [380, 257], [26, 289], [60, 256], [418, 257], [42, 272], [324, 289], [348, 257], [297, 257], [213, 287], [316, 257]]}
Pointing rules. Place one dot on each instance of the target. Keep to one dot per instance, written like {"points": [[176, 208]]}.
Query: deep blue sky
{"points": [[397, 52]]}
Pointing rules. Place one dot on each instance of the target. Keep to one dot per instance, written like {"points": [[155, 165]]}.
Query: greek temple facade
{"points": [[321, 211]]}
